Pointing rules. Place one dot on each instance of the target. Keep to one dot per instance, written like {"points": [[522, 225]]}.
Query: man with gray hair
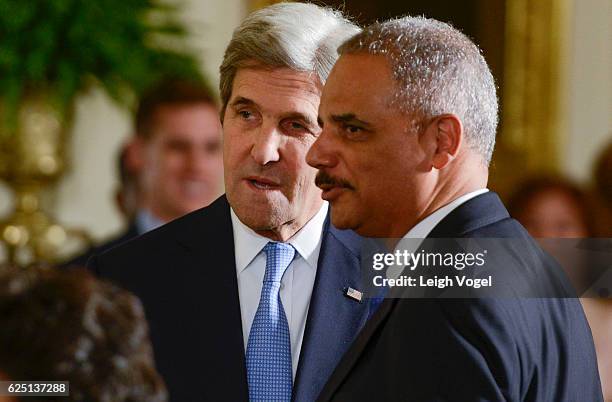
{"points": [[255, 297], [409, 115]]}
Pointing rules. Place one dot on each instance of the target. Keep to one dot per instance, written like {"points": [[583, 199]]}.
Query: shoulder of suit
{"points": [[183, 227]]}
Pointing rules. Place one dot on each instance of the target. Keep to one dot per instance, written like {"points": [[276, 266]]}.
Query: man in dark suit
{"points": [[255, 297], [173, 164], [409, 116], [126, 197]]}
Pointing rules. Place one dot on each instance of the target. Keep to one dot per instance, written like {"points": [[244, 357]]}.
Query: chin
{"points": [[257, 214], [259, 220], [342, 219]]}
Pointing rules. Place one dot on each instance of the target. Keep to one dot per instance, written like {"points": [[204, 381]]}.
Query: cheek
{"points": [[236, 146], [295, 163], [214, 163], [173, 162], [155, 163], [229, 152], [362, 172]]}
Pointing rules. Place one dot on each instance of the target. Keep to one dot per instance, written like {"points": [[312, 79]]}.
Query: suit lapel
{"points": [[212, 288], [333, 318], [351, 357]]}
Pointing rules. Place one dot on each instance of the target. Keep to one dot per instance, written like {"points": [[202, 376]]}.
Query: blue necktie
{"points": [[268, 355]]}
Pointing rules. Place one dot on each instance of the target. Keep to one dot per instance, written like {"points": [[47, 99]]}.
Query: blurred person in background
{"points": [[128, 197], [177, 152], [173, 165], [555, 208], [69, 326], [551, 207], [127, 194]]}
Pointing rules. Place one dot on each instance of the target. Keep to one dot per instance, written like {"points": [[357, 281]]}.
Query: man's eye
{"points": [[353, 133], [294, 127], [352, 130], [245, 114]]}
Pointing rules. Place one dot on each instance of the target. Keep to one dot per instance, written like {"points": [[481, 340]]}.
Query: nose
{"points": [[266, 145], [320, 155], [194, 159]]}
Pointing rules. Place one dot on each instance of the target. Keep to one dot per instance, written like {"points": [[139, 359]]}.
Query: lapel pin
{"points": [[353, 294]]}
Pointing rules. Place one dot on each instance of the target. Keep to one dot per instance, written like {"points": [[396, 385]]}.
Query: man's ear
{"points": [[449, 137]]}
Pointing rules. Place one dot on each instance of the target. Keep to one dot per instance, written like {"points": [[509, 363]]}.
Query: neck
{"points": [[443, 197], [445, 191], [468, 174]]}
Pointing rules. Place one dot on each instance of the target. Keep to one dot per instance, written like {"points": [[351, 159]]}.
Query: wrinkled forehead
{"points": [[276, 89]]}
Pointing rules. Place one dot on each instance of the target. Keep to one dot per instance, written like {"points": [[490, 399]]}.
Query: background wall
{"points": [[85, 196], [589, 87]]}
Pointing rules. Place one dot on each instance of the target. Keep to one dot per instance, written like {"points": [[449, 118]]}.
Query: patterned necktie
{"points": [[268, 355]]}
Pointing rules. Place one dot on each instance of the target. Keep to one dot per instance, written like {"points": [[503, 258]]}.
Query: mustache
{"points": [[323, 178]]}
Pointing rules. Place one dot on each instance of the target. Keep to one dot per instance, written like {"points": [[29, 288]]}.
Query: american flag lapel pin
{"points": [[353, 294]]}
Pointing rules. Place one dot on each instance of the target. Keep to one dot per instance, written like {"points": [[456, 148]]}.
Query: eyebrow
{"points": [[239, 101], [349, 118], [242, 101]]}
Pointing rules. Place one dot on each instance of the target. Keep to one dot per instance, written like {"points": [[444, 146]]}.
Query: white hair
{"points": [[439, 70], [300, 36]]}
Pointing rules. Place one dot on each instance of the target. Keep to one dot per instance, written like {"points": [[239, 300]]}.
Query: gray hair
{"points": [[303, 37], [439, 70]]}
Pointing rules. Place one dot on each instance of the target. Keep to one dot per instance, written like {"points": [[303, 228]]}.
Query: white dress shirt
{"points": [[297, 282], [146, 221], [424, 227], [412, 240]]}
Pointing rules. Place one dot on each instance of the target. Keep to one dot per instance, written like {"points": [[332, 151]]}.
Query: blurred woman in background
{"points": [[552, 209]]}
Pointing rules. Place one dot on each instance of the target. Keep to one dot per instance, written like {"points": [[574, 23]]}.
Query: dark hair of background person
{"points": [[528, 190], [68, 326], [128, 193], [169, 93]]}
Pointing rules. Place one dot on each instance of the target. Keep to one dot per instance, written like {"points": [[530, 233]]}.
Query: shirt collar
{"points": [[146, 221], [307, 241], [424, 227]]}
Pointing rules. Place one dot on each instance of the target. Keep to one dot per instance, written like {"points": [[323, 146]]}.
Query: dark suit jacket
{"points": [[81, 260], [185, 275], [467, 350]]}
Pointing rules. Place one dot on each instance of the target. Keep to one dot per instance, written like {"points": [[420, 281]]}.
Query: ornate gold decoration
{"points": [[33, 159], [532, 129]]}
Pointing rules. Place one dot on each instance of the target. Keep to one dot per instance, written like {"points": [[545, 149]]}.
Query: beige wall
{"points": [[589, 86]]}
